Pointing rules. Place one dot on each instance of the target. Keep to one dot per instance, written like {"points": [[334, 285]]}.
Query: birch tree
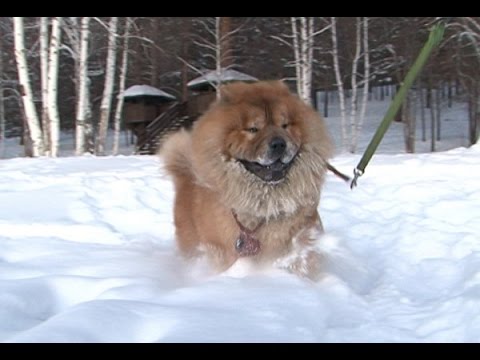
{"points": [[78, 33], [366, 78], [154, 51], [339, 81], [356, 120], [31, 116], [185, 45], [467, 36], [121, 88], [353, 98], [83, 100], [217, 44], [54, 118], [106, 105], [44, 81], [219, 51], [409, 119], [2, 104], [361, 57], [302, 42]]}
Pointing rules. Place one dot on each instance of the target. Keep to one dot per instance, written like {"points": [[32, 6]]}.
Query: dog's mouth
{"points": [[269, 173]]}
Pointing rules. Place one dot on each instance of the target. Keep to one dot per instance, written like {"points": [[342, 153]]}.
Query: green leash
{"points": [[435, 37]]}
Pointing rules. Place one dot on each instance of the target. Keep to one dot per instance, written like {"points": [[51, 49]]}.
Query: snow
{"points": [[225, 76], [146, 90], [87, 254], [11, 148]]}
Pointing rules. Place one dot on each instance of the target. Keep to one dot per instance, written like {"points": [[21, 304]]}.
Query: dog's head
{"points": [[263, 133], [258, 139]]}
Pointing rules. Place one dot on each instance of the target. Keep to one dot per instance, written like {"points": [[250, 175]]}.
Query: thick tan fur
{"points": [[210, 182]]}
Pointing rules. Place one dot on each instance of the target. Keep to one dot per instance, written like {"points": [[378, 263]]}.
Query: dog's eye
{"points": [[252, 129], [284, 126]]}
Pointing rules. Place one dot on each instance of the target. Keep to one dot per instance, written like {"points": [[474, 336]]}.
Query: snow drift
{"points": [[87, 255]]}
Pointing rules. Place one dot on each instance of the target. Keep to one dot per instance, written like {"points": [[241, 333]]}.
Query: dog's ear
{"points": [[234, 91], [280, 85], [225, 93], [231, 91]]}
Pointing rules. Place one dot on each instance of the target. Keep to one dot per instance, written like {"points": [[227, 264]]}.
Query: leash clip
{"points": [[356, 175]]}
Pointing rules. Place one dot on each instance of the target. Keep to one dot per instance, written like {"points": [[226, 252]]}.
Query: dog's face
{"points": [[261, 148], [263, 133], [265, 139]]}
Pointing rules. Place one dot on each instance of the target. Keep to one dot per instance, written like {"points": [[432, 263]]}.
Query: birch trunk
{"points": [[413, 120], [421, 99], [353, 100], [218, 54], [409, 121], [31, 116], [405, 121], [155, 54], [449, 93], [303, 34], [106, 105], [185, 46], [476, 125], [432, 119], [296, 52], [306, 69], [339, 81], [2, 104], [54, 119], [439, 114], [325, 103], [83, 103], [121, 88], [44, 81], [2, 115], [366, 77], [309, 68], [225, 41]]}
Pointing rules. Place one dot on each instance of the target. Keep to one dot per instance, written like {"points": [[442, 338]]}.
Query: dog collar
{"points": [[247, 244]]}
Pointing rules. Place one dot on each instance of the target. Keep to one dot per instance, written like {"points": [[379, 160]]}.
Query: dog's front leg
{"points": [[304, 258]]}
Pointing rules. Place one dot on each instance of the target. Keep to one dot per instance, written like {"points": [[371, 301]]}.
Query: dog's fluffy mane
{"points": [[238, 188]]}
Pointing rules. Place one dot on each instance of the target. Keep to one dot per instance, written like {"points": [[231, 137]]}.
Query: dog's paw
{"points": [[307, 263]]}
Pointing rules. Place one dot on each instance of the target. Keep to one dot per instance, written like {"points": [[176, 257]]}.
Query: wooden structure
{"points": [[152, 114], [204, 92], [143, 105], [198, 103]]}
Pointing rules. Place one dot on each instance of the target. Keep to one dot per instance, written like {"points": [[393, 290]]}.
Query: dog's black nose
{"points": [[277, 146]]}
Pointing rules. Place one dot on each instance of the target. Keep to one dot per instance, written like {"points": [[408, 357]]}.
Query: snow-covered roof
{"points": [[225, 76], [146, 90]]}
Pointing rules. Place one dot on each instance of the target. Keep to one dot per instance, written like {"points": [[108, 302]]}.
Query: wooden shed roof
{"points": [[146, 90], [212, 77]]}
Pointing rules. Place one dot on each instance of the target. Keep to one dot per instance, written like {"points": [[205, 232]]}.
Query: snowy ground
{"points": [[87, 255], [11, 148]]}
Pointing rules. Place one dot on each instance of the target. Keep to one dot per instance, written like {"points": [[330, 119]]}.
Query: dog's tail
{"points": [[176, 155]]}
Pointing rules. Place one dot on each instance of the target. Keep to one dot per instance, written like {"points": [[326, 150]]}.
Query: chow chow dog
{"points": [[248, 178]]}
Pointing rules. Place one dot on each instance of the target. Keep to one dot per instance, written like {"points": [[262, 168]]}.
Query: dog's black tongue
{"points": [[277, 175], [275, 172], [247, 245]]}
